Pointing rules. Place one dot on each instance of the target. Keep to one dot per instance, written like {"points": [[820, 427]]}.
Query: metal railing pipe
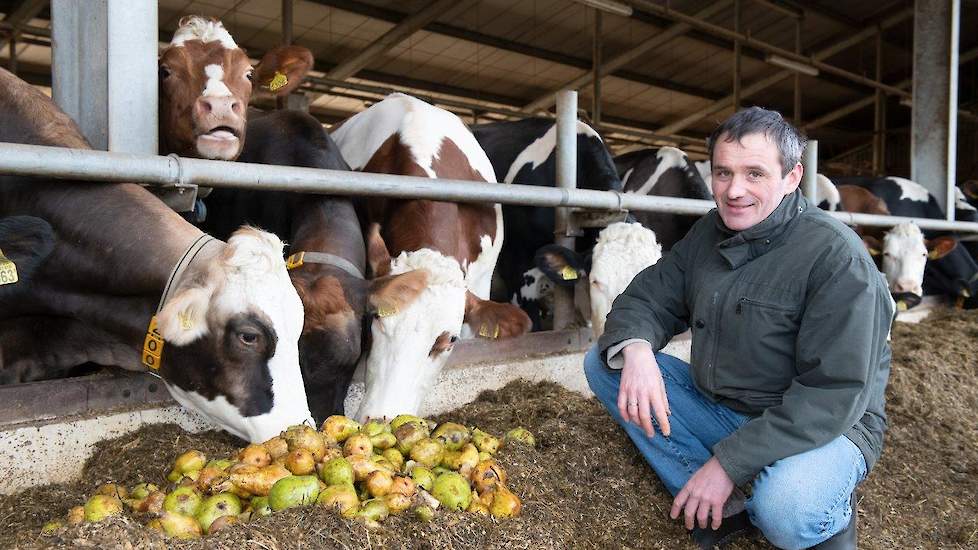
{"points": [[566, 168], [91, 165], [809, 159]]}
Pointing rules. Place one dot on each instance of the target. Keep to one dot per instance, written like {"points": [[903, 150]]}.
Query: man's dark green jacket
{"points": [[790, 322]]}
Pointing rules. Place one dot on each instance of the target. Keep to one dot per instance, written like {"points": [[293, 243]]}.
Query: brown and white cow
{"points": [[93, 260], [455, 244]]}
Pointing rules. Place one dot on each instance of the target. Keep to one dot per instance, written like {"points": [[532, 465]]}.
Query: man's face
{"points": [[747, 182]]}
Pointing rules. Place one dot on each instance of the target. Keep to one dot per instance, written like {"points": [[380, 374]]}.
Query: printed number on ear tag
{"points": [[386, 311], [568, 273], [278, 81], [8, 271], [486, 333], [152, 346]]}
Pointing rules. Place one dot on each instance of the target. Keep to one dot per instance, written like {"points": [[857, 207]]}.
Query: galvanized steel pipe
{"points": [[809, 159], [90, 165]]}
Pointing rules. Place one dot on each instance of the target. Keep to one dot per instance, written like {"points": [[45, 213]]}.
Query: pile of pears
{"points": [[366, 472]]}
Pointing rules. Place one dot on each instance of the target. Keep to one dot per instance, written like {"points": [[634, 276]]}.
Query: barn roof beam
{"points": [[401, 31], [773, 79], [546, 100], [850, 108], [475, 37], [816, 61], [27, 10]]}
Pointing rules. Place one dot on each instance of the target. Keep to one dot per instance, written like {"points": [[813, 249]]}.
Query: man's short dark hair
{"points": [[756, 120]]}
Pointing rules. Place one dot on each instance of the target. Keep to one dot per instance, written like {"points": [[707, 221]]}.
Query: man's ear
{"points": [[793, 178], [939, 247], [378, 257], [391, 295], [282, 69]]}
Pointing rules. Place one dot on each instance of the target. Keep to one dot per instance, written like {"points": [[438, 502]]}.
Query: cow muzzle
{"points": [[906, 300]]}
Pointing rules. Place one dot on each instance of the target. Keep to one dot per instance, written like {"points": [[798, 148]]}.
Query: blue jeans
{"points": [[797, 502]]}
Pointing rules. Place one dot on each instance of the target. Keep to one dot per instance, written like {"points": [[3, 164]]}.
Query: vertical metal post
{"points": [[287, 35], [798, 75], [596, 67], [133, 89], [933, 136], [878, 109], [736, 58], [79, 77], [566, 167], [809, 160]]}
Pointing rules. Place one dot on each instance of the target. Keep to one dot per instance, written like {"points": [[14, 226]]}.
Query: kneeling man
{"points": [[784, 391]]}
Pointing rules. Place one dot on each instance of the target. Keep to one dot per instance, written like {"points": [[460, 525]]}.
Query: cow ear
{"points": [[873, 245], [282, 69], [184, 317], [378, 257], [560, 264], [391, 295], [939, 247]]}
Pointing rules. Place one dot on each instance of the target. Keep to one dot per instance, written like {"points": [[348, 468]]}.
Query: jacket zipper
{"points": [[745, 300]]}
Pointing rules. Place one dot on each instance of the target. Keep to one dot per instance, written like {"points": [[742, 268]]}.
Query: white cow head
{"points": [[231, 332], [622, 250], [904, 257], [412, 341]]}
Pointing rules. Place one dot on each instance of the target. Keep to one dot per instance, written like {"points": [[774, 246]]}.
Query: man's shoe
{"points": [[845, 539], [731, 528]]}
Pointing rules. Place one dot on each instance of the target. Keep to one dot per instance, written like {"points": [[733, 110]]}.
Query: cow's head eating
{"points": [[413, 333], [231, 330], [622, 250], [206, 82]]}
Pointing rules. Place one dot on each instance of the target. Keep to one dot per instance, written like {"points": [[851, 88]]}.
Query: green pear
{"points": [[427, 452], [305, 437], [477, 507], [395, 458], [300, 462], [51, 527], [189, 461], [452, 491], [505, 504], [423, 477], [222, 504], [341, 498], [402, 419], [374, 427], [383, 441], [180, 526], [374, 509], [396, 502], [337, 472], [292, 491], [487, 475], [183, 500], [142, 491], [276, 446], [520, 435], [451, 435], [379, 483], [219, 464], [424, 513], [340, 427], [408, 435], [358, 444], [256, 455], [100, 507], [485, 442], [260, 507]]}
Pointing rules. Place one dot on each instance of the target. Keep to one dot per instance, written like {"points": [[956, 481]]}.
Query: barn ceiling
{"points": [[500, 59]]}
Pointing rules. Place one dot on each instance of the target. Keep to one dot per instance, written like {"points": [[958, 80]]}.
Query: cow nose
{"points": [[904, 285], [218, 106]]}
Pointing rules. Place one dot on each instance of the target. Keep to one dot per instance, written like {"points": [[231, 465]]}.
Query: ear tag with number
{"points": [[277, 81], [8, 271], [386, 311], [152, 346], [568, 273]]}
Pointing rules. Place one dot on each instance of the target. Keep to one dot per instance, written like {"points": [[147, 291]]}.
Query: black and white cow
{"points": [[944, 267], [663, 172], [523, 152]]}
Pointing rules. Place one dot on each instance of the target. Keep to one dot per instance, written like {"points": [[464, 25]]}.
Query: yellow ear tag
{"points": [[186, 321], [295, 260], [568, 273], [386, 311], [152, 346], [901, 306], [277, 81], [874, 252], [934, 254], [8, 271], [485, 333]]}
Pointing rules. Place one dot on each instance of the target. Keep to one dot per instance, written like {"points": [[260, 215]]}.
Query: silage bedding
{"points": [[584, 485]]}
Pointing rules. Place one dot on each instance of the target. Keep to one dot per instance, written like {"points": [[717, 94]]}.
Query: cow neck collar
{"points": [[301, 258], [153, 344], [744, 246]]}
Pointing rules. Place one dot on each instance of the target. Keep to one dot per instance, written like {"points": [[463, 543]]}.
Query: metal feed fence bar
{"points": [[173, 171]]}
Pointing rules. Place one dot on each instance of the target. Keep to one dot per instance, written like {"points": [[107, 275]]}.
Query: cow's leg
{"points": [[495, 320]]}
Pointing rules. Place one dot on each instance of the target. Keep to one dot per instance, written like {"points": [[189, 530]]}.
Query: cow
{"points": [[931, 262], [106, 273], [663, 172], [327, 249], [523, 152], [454, 246]]}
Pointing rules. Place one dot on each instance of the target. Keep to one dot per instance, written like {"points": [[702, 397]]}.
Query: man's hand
{"points": [[642, 391], [704, 495]]}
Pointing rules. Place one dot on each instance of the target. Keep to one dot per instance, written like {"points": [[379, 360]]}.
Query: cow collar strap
{"points": [[153, 343], [325, 258]]}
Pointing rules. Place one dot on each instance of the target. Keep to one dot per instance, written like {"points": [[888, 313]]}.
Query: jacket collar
{"points": [[743, 246]]}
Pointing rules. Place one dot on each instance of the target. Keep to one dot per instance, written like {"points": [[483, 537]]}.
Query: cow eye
{"points": [[164, 72], [248, 338], [250, 75]]}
